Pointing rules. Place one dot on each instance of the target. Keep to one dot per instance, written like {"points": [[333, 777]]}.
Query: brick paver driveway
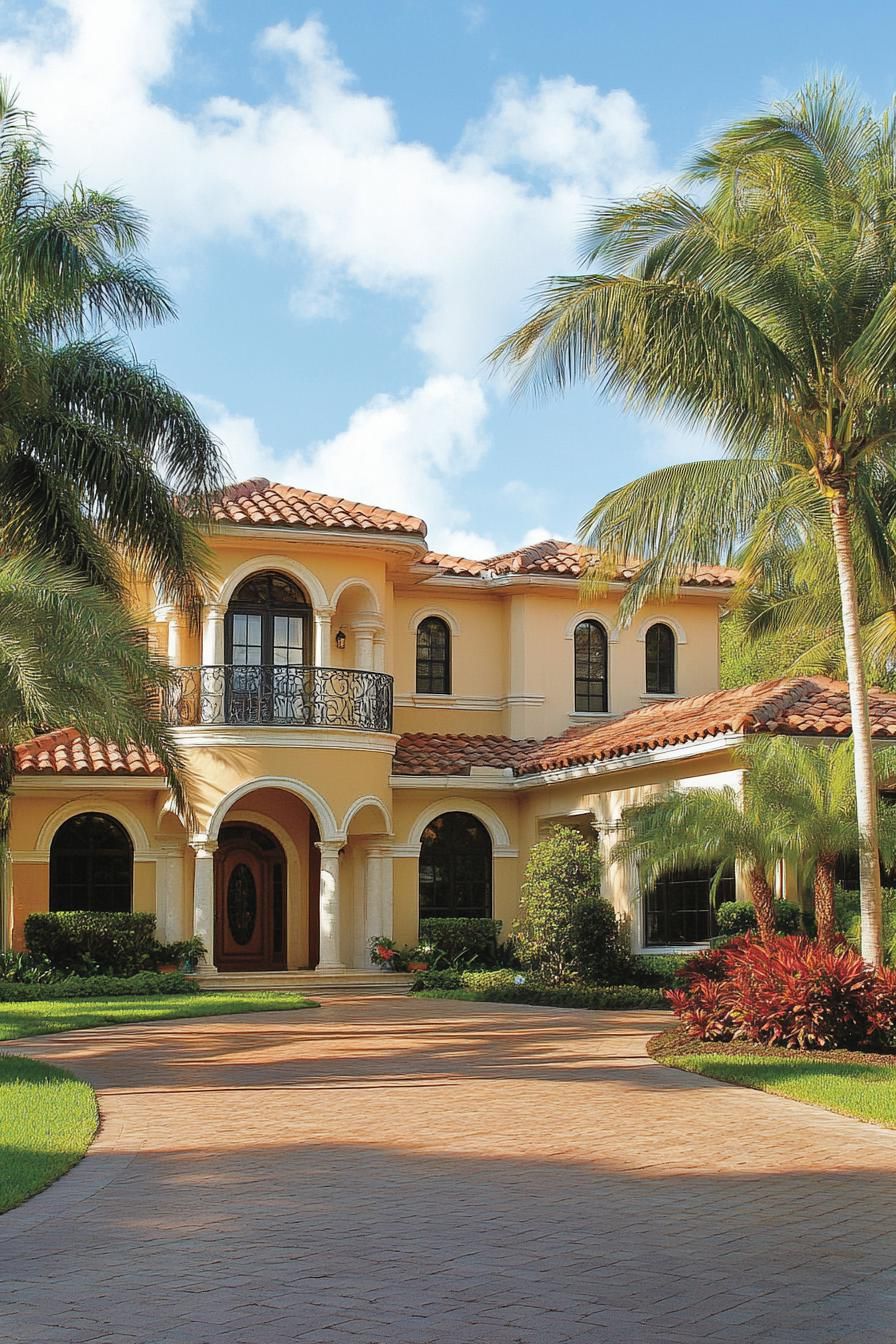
{"points": [[385, 1170]]}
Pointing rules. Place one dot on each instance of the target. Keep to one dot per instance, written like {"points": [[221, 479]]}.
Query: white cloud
{"points": [[318, 169], [400, 452], [535, 535]]}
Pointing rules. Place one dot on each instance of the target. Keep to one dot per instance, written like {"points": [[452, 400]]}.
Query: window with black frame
{"points": [[266, 648], [847, 869], [91, 865], [680, 906], [590, 652], [659, 657], [456, 868], [433, 657]]}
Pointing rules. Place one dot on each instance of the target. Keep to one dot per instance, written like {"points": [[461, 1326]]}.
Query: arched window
{"points": [[680, 906], [91, 864], [433, 657], [591, 668], [266, 637], [659, 657], [456, 868]]}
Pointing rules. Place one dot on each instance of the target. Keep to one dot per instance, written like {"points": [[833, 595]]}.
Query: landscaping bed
{"points": [[37, 1017], [560, 996], [47, 1120], [858, 1083]]}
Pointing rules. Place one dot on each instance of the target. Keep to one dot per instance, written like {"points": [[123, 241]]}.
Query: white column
{"points": [[322, 618], [174, 643], [379, 652], [211, 677], [204, 897], [330, 932], [364, 632], [170, 893], [378, 891]]}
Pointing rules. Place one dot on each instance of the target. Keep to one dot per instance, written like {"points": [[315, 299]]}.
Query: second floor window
{"points": [[433, 657], [659, 653], [591, 668]]}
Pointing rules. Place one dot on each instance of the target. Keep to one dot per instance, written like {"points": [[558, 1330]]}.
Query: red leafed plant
{"points": [[790, 992]]}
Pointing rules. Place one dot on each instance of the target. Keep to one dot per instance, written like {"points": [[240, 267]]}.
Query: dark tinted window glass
{"points": [[456, 867], [433, 657], [590, 668], [659, 650], [91, 865]]}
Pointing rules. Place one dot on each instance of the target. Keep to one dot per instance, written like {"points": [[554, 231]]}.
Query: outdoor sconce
{"points": [[340, 639]]}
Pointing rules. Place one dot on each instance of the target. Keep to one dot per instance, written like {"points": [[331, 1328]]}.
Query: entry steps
{"points": [[311, 983]]}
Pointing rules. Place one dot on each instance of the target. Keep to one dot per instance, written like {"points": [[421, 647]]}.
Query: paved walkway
{"points": [[444, 1173]]}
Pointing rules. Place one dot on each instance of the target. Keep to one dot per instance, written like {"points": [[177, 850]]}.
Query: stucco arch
{"points": [[369, 800], [116, 810], [491, 821], [448, 617], [260, 564], [347, 584], [611, 631], [323, 813], [675, 626]]}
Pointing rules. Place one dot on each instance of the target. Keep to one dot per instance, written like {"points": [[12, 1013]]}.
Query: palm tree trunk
{"points": [[823, 891], [866, 786], [763, 903]]}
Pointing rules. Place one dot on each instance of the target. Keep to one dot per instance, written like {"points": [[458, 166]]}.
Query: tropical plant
{"points": [[562, 873], [810, 791], [70, 654], [705, 827], [101, 460], [764, 313]]}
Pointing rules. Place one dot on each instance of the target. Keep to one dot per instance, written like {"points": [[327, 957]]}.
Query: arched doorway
{"points": [[266, 647], [455, 868], [250, 899]]}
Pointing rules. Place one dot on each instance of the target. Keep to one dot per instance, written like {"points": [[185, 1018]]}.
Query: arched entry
{"points": [[250, 899], [455, 873]]}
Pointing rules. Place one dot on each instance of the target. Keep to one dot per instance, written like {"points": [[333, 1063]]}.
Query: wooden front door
{"points": [[250, 900]]}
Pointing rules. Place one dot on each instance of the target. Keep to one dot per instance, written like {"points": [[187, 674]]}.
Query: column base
{"points": [[330, 966]]}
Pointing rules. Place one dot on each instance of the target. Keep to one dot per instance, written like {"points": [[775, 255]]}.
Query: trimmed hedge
{"points": [[470, 940], [86, 942], [658, 970], [98, 987], [736, 917], [558, 996]]}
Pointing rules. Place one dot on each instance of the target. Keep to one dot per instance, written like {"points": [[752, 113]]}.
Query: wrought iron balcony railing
{"points": [[276, 696]]}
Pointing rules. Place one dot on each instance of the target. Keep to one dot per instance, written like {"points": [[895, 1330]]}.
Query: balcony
{"points": [[279, 697]]}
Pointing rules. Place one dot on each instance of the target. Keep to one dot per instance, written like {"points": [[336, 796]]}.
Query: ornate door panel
{"points": [[249, 901]]}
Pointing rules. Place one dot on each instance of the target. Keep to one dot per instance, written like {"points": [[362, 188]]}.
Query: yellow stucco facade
{"points": [[290, 765]]}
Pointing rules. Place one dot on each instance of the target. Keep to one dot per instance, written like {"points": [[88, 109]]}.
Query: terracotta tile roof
{"points": [[259, 503], [563, 558], [799, 706], [68, 752]]}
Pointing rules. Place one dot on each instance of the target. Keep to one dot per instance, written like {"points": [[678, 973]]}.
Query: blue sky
{"points": [[352, 202]]}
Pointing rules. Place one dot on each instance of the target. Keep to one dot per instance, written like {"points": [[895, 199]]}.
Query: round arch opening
{"points": [[455, 871], [91, 865]]}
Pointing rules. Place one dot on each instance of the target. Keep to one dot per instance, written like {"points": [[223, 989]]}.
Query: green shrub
{"points": [[849, 919], [563, 871], [600, 954], [463, 941], [453, 977], [735, 917], [22, 967], [98, 987], [84, 942], [559, 996], [657, 970]]}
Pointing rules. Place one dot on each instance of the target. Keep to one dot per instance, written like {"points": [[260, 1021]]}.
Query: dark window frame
{"points": [[455, 873], [591, 673], [102, 857], [268, 605], [659, 659], [679, 908], [433, 665]]}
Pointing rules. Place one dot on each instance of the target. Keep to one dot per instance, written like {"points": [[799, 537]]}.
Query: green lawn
{"points": [[862, 1089], [47, 1119], [38, 1018]]}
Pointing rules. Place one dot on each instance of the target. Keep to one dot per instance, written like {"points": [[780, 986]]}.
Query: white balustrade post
{"points": [[379, 652], [330, 914], [211, 674], [204, 898], [174, 642]]}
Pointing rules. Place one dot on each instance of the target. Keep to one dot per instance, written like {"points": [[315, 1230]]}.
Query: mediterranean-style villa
{"points": [[376, 732]]}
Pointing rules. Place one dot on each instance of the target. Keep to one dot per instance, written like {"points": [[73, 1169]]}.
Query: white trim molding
{"points": [[338, 739], [611, 631], [121, 814], [500, 837], [675, 626], [314, 801], [443, 614], [369, 800], [261, 564]]}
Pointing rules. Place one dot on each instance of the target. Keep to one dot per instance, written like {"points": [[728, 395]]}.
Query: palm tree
{"points": [[703, 827], [100, 457], [765, 313], [49, 618], [810, 792]]}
